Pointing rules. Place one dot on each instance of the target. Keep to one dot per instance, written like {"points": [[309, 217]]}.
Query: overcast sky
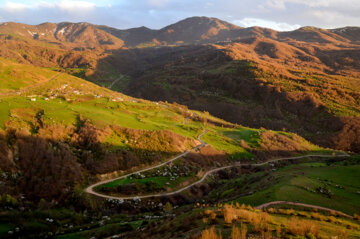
{"points": [[276, 14]]}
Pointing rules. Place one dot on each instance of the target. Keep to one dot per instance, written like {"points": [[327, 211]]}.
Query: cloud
{"points": [[15, 7], [276, 4], [279, 26], [281, 4], [68, 5], [158, 3], [65, 5]]}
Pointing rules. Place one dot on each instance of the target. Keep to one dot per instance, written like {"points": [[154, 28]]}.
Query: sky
{"points": [[282, 15]]}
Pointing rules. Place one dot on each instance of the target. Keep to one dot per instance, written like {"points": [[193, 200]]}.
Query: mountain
{"points": [[69, 34], [277, 82], [307, 78], [237, 116], [133, 36], [189, 31]]}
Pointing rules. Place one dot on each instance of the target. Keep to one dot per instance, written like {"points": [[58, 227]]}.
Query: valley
{"points": [[196, 130]]}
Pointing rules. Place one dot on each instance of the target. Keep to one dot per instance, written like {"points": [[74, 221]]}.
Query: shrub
{"points": [[303, 227], [304, 214], [235, 234], [278, 232], [232, 213], [168, 207], [210, 234], [342, 233], [239, 233], [271, 210], [229, 213], [331, 219], [11, 201]]}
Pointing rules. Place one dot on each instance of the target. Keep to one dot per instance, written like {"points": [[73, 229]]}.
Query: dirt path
{"points": [[17, 92], [90, 189], [265, 205], [115, 81]]}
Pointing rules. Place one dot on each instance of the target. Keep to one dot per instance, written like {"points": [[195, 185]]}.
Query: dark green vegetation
{"points": [[323, 183], [167, 221], [167, 178]]}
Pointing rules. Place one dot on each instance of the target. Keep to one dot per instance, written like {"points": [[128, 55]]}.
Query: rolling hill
{"points": [[60, 133], [237, 104], [307, 78], [94, 130]]}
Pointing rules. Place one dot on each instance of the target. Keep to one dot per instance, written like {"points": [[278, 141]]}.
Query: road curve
{"points": [[265, 205], [90, 189]]}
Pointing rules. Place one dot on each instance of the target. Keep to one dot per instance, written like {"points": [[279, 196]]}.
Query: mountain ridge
{"points": [[191, 30], [203, 62]]}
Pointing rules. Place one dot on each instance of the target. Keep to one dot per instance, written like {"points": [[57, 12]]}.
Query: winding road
{"points": [[90, 189], [265, 205]]}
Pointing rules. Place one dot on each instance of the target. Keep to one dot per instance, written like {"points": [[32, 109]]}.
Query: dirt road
{"points": [[265, 205], [90, 189]]}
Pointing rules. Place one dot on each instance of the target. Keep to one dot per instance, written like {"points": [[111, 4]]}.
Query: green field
{"points": [[14, 76], [160, 181], [304, 182]]}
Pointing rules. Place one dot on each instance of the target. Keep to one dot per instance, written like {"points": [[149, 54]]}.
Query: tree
{"points": [[210, 234], [168, 207], [42, 204]]}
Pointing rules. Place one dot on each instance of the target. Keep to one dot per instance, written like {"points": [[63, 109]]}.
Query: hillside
{"points": [[197, 119], [68, 34], [104, 131], [60, 133], [311, 88], [301, 76]]}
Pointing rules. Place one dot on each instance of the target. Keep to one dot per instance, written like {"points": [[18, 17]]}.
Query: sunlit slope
{"points": [[63, 97]]}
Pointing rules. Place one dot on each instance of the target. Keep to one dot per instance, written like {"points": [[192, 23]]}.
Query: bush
{"points": [[342, 233], [210, 234], [239, 233], [303, 227]]}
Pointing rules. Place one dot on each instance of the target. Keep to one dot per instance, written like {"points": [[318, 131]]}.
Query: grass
{"points": [[106, 230], [74, 96], [251, 136], [15, 76], [66, 97], [159, 180], [300, 183], [4, 228], [229, 145]]}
